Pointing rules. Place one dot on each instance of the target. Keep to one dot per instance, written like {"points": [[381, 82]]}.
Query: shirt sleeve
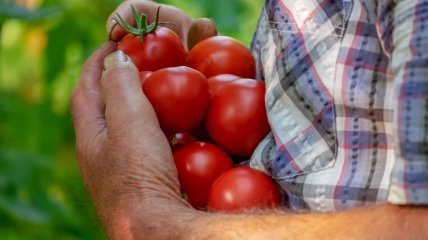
{"points": [[403, 29]]}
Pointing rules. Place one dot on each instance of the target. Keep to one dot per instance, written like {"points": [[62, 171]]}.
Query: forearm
{"points": [[377, 222], [180, 222]]}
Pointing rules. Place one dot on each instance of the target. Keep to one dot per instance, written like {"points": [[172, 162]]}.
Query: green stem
{"points": [[141, 21]]}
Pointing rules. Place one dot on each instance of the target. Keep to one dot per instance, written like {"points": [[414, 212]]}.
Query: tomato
{"points": [[151, 47], [236, 119], [243, 188], [159, 49], [222, 55], [218, 81], [179, 140], [198, 166], [144, 75], [179, 96]]}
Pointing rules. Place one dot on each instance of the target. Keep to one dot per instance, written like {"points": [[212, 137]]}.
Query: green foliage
{"points": [[42, 50], [9, 10]]}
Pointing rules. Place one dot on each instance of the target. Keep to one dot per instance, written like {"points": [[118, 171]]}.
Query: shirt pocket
{"points": [[305, 138], [298, 60]]}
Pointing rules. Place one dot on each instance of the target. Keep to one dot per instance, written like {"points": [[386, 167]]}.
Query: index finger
{"points": [[86, 104]]}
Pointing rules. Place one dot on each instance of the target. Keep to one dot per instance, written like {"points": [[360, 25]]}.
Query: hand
{"points": [[124, 157], [190, 31]]}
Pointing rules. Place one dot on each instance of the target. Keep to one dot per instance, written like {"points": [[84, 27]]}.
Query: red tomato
{"points": [[243, 188], [236, 119], [222, 55], [179, 96], [144, 75], [179, 140], [159, 49], [198, 166], [218, 81]]}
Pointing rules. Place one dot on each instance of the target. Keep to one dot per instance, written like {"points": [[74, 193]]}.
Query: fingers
{"points": [[125, 102], [87, 107], [200, 29], [180, 26]]}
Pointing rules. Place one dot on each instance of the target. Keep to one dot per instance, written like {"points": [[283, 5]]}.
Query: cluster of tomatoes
{"points": [[211, 109]]}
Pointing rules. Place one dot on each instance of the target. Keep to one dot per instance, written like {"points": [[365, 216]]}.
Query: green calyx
{"points": [[141, 20]]}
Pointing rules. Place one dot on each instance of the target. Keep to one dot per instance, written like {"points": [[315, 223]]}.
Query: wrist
{"points": [[134, 202], [151, 218]]}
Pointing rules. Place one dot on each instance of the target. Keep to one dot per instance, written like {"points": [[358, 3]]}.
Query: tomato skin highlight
{"points": [[159, 49], [242, 188], [198, 166], [179, 96], [237, 119], [222, 55]]}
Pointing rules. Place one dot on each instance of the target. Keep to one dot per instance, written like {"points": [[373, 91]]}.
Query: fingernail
{"points": [[111, 25], [115, 59]]}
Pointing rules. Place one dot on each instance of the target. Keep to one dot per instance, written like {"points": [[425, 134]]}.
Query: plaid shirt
{"points": [[347, 100]]}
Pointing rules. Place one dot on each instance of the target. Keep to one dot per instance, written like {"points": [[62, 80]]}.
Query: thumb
{"points": [[126, 105], [200, 29]]}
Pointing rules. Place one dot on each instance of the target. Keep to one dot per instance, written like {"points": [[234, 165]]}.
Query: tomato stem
{"points": [[141, 21]]}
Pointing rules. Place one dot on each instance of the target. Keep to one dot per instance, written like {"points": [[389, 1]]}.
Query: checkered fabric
{"points": [[347, 100]]}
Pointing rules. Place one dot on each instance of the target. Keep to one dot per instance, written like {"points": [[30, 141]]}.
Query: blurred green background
{"points": [[43, 45]]}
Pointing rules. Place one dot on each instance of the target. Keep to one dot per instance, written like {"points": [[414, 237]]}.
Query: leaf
{"points": [[8, 10], [20, 167], [23, 211]]}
